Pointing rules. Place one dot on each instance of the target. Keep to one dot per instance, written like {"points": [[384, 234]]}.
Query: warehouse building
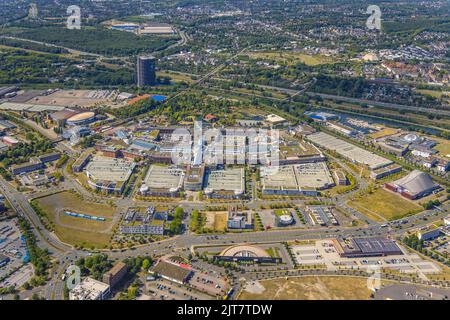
{"points": [[349, 151]]}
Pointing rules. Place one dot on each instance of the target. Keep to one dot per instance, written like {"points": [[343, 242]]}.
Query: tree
{"points": [[145, 264]]}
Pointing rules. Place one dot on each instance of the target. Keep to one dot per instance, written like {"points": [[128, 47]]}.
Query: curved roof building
{"points": [[81, 118], [415, 185]]}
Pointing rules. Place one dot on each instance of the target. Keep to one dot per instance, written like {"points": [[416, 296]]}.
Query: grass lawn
{"points": [[78, 230], [383, 133], [443, 146], [177, 77], [433, 93], [384, 205], [292, 57], [220, 221], [310, 288], [216, 221], [281, 212]]}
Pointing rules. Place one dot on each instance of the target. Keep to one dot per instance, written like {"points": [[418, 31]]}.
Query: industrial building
{"points": [[164, 181], [349, 151], [227, 184], [157, 28], [90, 289], [366, 247], [146, 71], [415, 185], [109, 175]]}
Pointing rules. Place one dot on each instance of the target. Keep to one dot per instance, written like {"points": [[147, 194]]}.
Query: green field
{"points": [[384, 205], [443, 146], [292, 58], [78, 230], [310, 288]]}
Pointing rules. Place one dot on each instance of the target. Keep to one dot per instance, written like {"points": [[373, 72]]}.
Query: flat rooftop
{"points": [[283, 179], [88, 289], [82, 98], [107, 169], [368, 246], [296, 177], [349, 150], [230, 179], [313, 175], [16, 106], [164, 177], [300, 149]]}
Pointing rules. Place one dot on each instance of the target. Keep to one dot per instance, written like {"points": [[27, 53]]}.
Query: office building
{"points": [[145, 73], [115, 275], [90, 289]]}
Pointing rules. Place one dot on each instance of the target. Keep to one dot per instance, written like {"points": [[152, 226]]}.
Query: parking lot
{"points": [[209, 284], [324, 253], [13, 247], [161, 289]]}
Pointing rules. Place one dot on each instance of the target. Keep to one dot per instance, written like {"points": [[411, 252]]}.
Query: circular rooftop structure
{"points": [[411, 137], [286, 219], [245, 251], [81, 118]]}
